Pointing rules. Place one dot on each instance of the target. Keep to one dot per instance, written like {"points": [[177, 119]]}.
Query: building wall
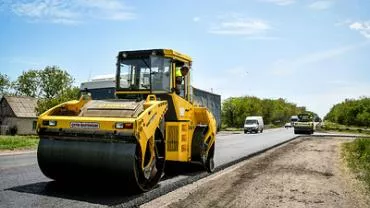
{"points": [[5, 110], [24, 125], [210, 100]]}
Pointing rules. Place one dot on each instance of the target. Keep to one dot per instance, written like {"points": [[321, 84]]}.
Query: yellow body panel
{"points": [[148, 122], [178, 141], [144, 126], [205, 117], [176, 55], [64, 121], [189, 118]]}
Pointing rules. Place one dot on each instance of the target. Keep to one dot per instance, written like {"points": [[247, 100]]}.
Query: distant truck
{"points": [[305, 124], [253, 124]]}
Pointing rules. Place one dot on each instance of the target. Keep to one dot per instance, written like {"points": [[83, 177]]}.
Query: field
{"points": [[18, 142], [329, 126]]}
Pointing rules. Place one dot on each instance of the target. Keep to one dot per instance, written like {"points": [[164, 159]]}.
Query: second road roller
{"points": [[127, 140]]}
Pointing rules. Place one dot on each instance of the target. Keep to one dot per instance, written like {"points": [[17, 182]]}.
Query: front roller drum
{"points": [[115, 163]]}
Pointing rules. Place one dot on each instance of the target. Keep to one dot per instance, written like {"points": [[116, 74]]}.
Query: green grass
{"points": [[329, 126], [357, 155], [18, 142]]}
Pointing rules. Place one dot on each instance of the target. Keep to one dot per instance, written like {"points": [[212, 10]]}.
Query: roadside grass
{"points": [[329, 126], [357, 156], [18, 142], [268, 126], [231, 129]]}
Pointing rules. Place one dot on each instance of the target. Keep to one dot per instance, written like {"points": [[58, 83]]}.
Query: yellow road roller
{"points": [[127, 140]]}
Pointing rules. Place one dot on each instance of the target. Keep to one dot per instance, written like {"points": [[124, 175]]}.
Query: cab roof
{"points": [[169, 53]]}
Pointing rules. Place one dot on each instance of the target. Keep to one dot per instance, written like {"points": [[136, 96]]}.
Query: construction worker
{"points": [[180, 72]]}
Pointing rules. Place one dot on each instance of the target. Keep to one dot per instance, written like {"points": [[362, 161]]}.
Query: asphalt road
{"points": [[234, 146], [23, 185]]}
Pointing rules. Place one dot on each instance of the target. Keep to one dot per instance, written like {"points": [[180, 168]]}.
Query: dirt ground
{"points": [[308, 172]]}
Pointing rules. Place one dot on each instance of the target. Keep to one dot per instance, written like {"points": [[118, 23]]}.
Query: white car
{"points": [[253, 124], [288, 125]]}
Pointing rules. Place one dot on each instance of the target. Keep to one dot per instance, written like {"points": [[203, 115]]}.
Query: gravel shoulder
{"points": [[15, 152], [307, 172]]}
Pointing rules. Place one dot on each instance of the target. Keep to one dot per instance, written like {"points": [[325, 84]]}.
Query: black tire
{"points": [[245, 132], [197, 143], [148, 180], [261, 130], [296, 132], [210, 163]]}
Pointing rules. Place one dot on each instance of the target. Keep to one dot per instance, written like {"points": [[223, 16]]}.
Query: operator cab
{"points": [[155, 71]]}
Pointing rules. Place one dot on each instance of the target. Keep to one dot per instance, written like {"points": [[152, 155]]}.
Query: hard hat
{"points": [[185, 70]]}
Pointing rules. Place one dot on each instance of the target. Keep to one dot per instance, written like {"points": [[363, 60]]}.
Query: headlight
{"points": [[52, 123], [49, 123], [121, 125]]}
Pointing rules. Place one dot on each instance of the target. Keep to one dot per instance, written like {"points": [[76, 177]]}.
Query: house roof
{"points": [[22, 106]]}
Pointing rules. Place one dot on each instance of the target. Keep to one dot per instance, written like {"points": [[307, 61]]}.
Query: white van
{"points": [[253, 124]]}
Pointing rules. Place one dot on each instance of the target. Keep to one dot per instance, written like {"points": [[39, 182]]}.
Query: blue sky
{"points": [[312, 53]]}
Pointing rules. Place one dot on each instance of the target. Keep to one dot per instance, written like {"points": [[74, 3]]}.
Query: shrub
{"points": [[13, 130], [357, 155]]}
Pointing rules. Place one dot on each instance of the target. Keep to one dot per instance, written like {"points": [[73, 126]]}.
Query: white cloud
{"points": [[362, 27], [280, 2], [343, 22], [236, 24], [287, 67], [321, 5], [71, 12], [263, 38], [196, 19]]}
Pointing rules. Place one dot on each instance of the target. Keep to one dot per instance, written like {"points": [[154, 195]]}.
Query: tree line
{"points": [[274, 111], [51, 85], [351, 112]]}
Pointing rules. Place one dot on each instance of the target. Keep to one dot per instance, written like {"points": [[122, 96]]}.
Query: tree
{"points": [[68, 94], [51, 85], [4, 84], [54, 81], [28, 84], [228, 112], [236, 109], [351, 112], [47, 83]]}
